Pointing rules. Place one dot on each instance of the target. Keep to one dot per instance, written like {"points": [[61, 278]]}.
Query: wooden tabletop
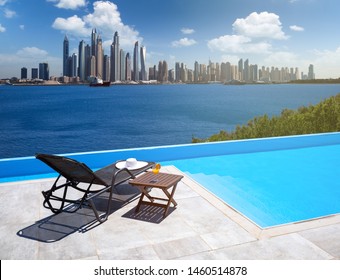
{"points": [[160, 180]]}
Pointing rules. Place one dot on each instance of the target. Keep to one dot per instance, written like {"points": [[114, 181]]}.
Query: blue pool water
{"points": [[273, 188]]}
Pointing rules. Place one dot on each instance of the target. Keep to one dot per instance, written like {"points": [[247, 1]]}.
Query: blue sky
{"points": [[280, 33]]}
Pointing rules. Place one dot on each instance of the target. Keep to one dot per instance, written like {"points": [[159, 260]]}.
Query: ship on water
{"points": [[98, 82]]}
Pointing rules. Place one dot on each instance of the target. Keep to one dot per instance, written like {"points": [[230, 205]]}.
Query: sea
{"points": [[69, 119]]}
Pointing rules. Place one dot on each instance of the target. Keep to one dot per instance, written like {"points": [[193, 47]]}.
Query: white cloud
{"points": [[253, 34], [3, 2], [238, 44], [73, 25], [69, 4], [22, 27], [262, 25], [281, 59], [187, 31], [296, 28], [32, 52], [326, 63], [9, 13], [184, 42], [2, 29], [27, 57], [105, 18]]}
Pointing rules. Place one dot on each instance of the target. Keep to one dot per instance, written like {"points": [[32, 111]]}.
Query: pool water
{"points": [[273, 188]]}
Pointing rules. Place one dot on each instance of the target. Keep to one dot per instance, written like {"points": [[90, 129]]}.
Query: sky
{"points": [[270, 33]]}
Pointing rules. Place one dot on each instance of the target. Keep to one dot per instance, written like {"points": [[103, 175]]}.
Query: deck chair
{"points": [[87, 183]]}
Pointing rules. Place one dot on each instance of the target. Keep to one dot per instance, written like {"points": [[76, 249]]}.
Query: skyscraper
{"points": [[135, 63], [128, 67], [311, 75], [23, 73], [88, 60], [240, 69], [115, 63], [177, 72], [142, 63], [107, 68], [65, 56], [122, 65], [99, 58], [74, 65], [34, 73], [94, 42], [44, 71], [81, 59]]}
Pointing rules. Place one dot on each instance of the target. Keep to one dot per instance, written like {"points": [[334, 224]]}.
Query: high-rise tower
{"points": [[311, 75], [136, 63], [94, 42], [66, 51], [142, 63], [115, 55], [81, 63], [99, 57], [127, 67]]}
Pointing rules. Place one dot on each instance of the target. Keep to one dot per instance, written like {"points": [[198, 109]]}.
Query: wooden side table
{"points": [[163, 181]]}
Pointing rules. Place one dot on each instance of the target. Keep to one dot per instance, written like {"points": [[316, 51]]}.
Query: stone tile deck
{"points": [[201, 227]]}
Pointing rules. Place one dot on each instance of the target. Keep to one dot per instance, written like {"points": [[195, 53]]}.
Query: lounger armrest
{"points": [[131, 176]]}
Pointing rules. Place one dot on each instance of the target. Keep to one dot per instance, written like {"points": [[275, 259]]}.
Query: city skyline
{"points": [[276, 33], [91, 61]]}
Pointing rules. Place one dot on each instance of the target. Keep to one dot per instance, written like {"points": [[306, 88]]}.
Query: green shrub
{"points": [[320, 118]]}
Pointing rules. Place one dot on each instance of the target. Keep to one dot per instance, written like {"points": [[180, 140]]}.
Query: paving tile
{"points": [[75, 246], [180, 248], [14, 247], [288, 247], [327, 238], [233, 236], [138, 253], [203, 217]]}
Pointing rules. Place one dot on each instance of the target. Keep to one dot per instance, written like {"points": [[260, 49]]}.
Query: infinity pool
{"points": [[274, 187]]}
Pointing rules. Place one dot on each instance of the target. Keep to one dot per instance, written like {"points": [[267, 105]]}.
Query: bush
{"points": [[320, 118]]}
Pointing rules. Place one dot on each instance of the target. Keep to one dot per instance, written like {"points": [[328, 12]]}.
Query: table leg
{"points": [[170, 196]]}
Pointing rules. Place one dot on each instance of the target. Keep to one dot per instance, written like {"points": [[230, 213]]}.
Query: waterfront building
{"points": [[196, 72], [99, 58], [311, 75], [34, 73], [162, 74], [115, 63], [88, 60], [93, 64], [66, 51], [240, 69], [107, 68], [23, 73], [143, 73], [246, 71], [136, 63], [94, 42], [44, 71], [171, 75], [74, 65], [122, 65], [128, 74], [81, 61], [177, 72]]}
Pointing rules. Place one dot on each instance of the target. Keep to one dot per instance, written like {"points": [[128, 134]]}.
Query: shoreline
{"points": [[52, 83]]}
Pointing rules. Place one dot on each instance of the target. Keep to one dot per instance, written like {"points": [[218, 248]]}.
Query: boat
{"points": [[98, 82]]}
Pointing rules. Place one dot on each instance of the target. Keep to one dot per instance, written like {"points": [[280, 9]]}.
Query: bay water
{"points": [[68, 119]]}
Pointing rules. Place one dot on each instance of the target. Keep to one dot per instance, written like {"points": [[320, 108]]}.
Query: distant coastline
{"points": [[57, 83]]}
